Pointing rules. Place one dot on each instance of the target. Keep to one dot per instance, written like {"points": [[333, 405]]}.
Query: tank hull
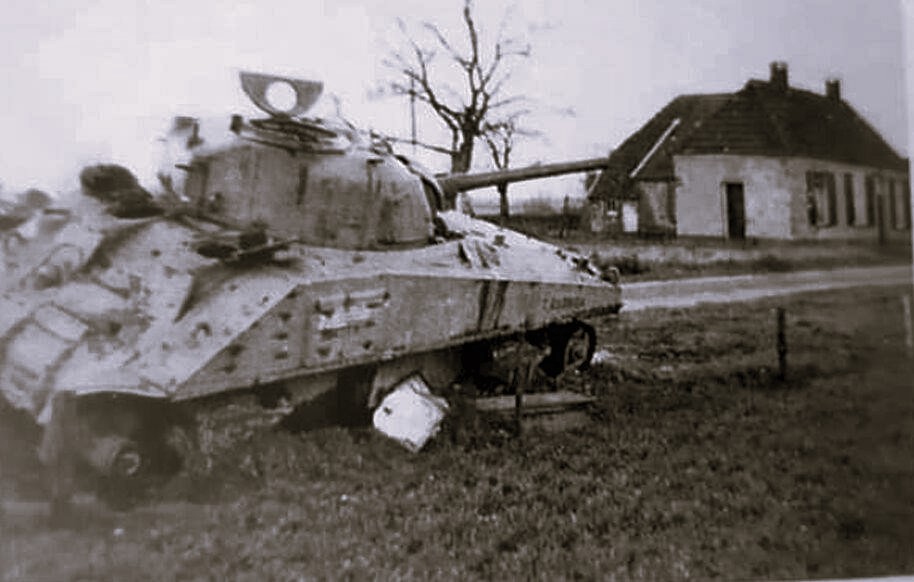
{"points": [[180, 328], [127, 311]]}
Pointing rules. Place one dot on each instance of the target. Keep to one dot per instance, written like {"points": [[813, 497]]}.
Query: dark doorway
{"points": [[736, 211]]}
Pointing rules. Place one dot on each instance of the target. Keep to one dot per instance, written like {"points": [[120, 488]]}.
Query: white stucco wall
{"points": [[701, 200], [775, 197]]}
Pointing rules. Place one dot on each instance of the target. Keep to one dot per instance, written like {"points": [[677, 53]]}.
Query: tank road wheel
{"points": [[572, 348], [126, 447], [579, 347], [123, 471]]}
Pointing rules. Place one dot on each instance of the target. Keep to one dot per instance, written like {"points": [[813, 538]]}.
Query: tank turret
{"points": [[321, 183], [310, 180]]}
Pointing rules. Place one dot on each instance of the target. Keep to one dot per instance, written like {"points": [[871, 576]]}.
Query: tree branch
{"points": [[443, 41], [466, 109]]}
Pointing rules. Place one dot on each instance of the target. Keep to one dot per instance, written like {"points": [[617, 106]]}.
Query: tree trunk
{"points": [[463, 158], [503, 208]]}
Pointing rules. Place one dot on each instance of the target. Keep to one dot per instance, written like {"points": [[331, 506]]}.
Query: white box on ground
{"points": [[410, 414]]}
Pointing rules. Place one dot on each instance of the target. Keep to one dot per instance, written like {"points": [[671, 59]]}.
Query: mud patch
{"points": [[20, 471]]}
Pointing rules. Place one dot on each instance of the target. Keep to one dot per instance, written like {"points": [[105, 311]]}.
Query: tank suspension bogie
{"points": [[579, 347], [544, 354], [572, 346]]}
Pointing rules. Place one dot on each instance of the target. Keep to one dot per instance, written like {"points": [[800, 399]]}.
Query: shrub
{"points": [[771, 263], [630, 265]]}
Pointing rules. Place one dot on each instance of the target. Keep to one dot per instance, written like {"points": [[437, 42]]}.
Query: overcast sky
{"points": [[98, 79]]}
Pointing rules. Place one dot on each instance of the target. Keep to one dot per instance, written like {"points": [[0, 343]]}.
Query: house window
{"points": [[821, 199], [812, 210], [906, 200], [850, 212], [812, 202], [870, 185], [831, 198], [893, 214]]}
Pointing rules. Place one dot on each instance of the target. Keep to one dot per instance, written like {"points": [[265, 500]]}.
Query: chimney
{"points": [[833, 89], [181, 122], [779, 76]]}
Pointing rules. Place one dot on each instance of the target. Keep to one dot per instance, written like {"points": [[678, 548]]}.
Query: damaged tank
{"points": [[285, 261]]}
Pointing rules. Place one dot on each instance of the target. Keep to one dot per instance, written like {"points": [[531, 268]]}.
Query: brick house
{"points": [[768, 161]]}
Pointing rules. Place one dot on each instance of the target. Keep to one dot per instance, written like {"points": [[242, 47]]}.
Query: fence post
{"points": [[908, 335], [782, 344], [519, 403]]}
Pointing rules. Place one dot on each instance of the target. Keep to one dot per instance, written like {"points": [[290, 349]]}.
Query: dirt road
{"points": [[729, 289]]}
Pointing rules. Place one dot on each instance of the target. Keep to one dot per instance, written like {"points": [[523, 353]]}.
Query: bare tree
{"points": [[501, 138], [466, 111]]}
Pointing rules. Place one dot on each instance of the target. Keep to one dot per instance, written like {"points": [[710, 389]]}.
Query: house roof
{"points": [[689, 110], [760, 119]]}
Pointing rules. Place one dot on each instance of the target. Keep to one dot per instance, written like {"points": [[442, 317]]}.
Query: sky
{"points": [[99, 80]]}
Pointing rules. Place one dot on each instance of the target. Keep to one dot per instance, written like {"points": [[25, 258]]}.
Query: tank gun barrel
{"points": [[452, 183]]}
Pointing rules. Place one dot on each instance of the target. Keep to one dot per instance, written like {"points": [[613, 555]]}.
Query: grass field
{"points": [[698, 463]]}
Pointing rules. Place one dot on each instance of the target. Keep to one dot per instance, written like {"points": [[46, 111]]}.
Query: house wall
{"points": [[701, 202], [862, 228], [777, 198], [602, 216]]}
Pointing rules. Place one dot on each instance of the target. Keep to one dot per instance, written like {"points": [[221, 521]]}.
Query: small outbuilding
{"points": [[768, 161]]}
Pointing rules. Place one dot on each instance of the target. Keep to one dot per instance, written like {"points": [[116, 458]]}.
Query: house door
{"points": [[736, 211]]}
